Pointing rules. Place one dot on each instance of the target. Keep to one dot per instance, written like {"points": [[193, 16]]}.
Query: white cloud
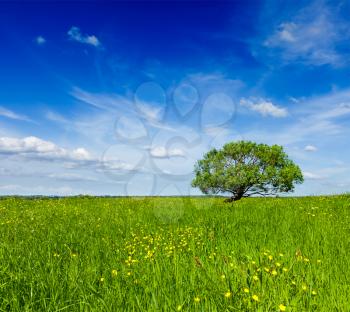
{"points": [[14, 189], [162, 152], [311, 176], [34, 147], [70, 177], [310, 148], [264, 107], [311, 36], [75, 35], [40, 40], [12, 115]]}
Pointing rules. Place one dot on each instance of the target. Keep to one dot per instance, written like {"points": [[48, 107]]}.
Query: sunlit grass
{"points": [[175, 254]]}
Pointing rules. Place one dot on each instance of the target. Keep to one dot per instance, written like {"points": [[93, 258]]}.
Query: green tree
{"points": [[245, 168]]}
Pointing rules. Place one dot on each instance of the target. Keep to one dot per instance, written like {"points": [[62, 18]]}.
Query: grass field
{"points": [[175, 254]]}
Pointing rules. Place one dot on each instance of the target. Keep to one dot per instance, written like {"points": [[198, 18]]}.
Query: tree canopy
{"points": [[245, 168]]}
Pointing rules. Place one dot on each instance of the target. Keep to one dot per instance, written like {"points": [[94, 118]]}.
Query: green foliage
{"points": [[246, 168], [105, 254]]}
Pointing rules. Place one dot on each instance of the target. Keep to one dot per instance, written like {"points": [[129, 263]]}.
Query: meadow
{"points": [[175, 254]]}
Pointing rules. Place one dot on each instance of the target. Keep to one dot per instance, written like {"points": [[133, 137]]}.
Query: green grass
{"points": [[159, 254]]}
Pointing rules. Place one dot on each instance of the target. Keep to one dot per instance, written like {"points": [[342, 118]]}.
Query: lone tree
{"points": [[246, 168]]}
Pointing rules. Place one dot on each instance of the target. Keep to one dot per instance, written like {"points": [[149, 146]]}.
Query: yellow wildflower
{"points": [[179, 308], [285, 269], [270, 257], [196, 299], [274, 272], [114, 273], [223, 276], [282, 307], [304, 287], [102, 279], [314, 293], [255, 298], [255, 278], [278, 264], [228, 294], [246, 290]]}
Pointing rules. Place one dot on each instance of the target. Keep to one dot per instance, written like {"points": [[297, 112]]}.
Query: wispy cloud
{"points": [[264, 107], [75, 34], [312, 176], [40, 40], [312, 36], [71, 177], [318, 119], [38, 190], [12, 115], [121, 105]]}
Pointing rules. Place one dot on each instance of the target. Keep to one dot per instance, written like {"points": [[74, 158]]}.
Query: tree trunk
{"points": [[235, 197]]}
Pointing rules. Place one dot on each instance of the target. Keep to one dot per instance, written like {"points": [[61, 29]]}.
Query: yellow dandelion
{"points": [[281, 254], [255, 298], [253, 262], [304, 287], [102, 279], [196, 299], [314, 293], [274, 272], [179, 308], [282, 307], [267, 269], [294, 283], [278, 264], [255, 278], [246, 290], [319, 261], [223, 276], [114, 273], [270, 257], [129, 273], [228, 294], [285, 269]]}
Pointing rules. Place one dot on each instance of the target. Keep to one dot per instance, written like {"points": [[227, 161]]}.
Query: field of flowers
{"points": [[175, 254]]}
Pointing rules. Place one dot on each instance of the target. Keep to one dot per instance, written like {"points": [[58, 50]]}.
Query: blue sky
{"points": [[122, 98]]}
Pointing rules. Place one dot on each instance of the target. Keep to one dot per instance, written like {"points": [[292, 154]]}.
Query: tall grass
{"points": [[175, 254]]}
